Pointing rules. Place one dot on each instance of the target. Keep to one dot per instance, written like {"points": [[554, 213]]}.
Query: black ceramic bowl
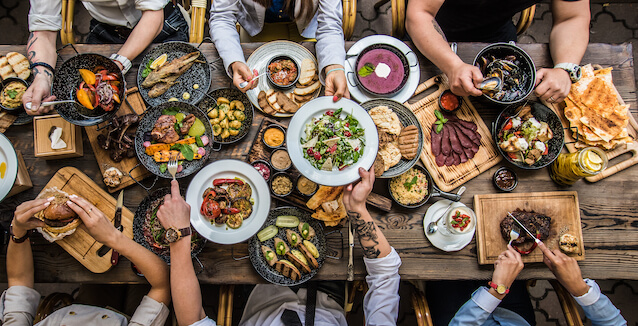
{"points": [[272, 178], [279, 86], [6, 83], [504, 169], [301, 193], [459, 99], [395, 51], [232, 94], [270, 170], [66, 81], [542, 114], [502, 50], [273, 165], [276, 127]]}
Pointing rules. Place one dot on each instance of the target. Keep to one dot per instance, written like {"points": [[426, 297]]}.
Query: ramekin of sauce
{"points": [[505, 179], [305, 186], [263, 168], [448, 101], [274, 136]]}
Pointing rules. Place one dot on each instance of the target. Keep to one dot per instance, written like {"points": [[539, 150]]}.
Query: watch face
{"points": [[500, 289], [576, 73], [171, 235]]}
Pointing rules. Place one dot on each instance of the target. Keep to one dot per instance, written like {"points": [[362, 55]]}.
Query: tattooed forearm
{"points": [[31, 40], [367, 232], [437, 28], [47, 73]]}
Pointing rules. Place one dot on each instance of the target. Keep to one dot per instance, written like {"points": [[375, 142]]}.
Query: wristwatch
{"points": [[19, 240], [173, 234], [572, 69], [126, 63], [499, 288]]}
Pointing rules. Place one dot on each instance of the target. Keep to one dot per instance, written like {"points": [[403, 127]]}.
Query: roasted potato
{"points": [[233, 132], [235, 124], [214, 113], [237, 105], [224, 124], [224, 107], [221, 115], [230, 115], [239, 115], [222, 100], [217, 130], [225, 134], [214, 121]]}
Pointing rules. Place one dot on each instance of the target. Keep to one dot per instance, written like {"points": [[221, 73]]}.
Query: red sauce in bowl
{"points": [[282, 72], [449, 101]]}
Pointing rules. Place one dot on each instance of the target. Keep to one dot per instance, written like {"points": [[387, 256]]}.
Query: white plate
{"points": [[453, 242], [316, 108], [351, 57], [9, 156], [259, 60], [228, 169]]}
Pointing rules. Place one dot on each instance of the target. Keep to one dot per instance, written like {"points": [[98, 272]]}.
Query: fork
{"points": [[514, 234], [172, 166]]}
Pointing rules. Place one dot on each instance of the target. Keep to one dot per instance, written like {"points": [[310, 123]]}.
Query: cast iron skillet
{"points": [[146, 125], [138, 226], [209, 103], [398, 53], [542, 114], [259, 262], [433, 191], [65, 84]]}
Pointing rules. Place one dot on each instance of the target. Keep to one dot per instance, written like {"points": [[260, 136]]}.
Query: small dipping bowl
{"points": [[6, 83], [505, 179], [263, 168], [280, 86], [277, 179], [302, 182], [447, 100], [278, 157], [274, 129]]}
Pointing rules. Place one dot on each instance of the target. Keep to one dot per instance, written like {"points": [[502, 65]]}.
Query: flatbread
{"points": [[385, 119], [391, 155]]}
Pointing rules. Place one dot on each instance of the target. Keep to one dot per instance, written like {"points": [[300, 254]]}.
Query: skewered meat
{"points": [[164, 129]]}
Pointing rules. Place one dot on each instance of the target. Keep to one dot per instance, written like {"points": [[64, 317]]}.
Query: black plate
{"points": [[231, 94], [259, 262], [138, 222], [433, 191], [66, 81], [542, 114], [398, 53], [407, 118], [146, 125], [198, 74]]}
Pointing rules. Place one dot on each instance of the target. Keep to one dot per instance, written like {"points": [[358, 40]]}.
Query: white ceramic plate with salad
{"points": [[329, 141], [260, 198], [8, 166]]}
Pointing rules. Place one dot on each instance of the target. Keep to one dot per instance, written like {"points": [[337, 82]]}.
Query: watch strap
{"points": [[19, 240], [126, 63], [571, 68], [496, 286], [185, 231]]}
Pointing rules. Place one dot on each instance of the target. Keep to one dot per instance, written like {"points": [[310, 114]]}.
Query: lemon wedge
{"points": [[594, 158], [160, 61]]}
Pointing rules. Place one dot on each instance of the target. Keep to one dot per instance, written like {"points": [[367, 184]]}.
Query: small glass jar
{"points": [[571, 167]]}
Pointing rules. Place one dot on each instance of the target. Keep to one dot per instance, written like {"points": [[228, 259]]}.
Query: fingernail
{"points": [[335, 98], [68, 202], [50, 198], [73, 196], [47, 204]]}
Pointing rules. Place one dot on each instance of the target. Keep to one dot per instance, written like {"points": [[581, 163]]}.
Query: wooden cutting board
{"points": [[447, 178], [133, 104], [81, 244], [632, 129], [259, 151], [491, 209]]}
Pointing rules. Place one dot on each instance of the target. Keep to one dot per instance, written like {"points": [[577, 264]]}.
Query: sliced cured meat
{"points": [[449, 160], [440, 159], [454, 140], [446, 147], [457, 158], [463, 138], [463, 156], [468, 152], [436, 140]]}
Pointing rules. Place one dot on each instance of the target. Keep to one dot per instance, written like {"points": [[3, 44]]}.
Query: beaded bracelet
{"points": [[42, 64], [335, 69]]}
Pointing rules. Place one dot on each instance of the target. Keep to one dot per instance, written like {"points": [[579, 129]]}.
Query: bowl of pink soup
{"points": [[382, 70]]}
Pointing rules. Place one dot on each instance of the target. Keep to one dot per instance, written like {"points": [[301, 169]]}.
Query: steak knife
{"points": [[537, 240], [117, 222], [350, 258]]}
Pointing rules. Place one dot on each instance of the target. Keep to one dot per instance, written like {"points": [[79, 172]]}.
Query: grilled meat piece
{"points": [[164, 129], [533, 222], [187, 123], [175, 67]]}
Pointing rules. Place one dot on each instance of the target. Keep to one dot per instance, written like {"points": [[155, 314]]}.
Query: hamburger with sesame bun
{"points": [[59, 218]]}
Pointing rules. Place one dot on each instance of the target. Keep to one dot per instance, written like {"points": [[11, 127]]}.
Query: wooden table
{"points": [[608, 207]]}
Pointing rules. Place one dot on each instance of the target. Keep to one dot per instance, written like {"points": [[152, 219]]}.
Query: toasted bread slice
{"points": [[269, 255], [311, 259], [293, 238], [307, 71], [5, 69], [286, 104], [272, 100], [300, 261], [308, 90], [269, 92], [263, 103], [287, 269], [19, 64], [277, 241], [303, 98]]}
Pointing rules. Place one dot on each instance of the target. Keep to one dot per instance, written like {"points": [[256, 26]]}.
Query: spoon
{"points": [[491, 84], [245, 83], [28, 105], [432, 227]]}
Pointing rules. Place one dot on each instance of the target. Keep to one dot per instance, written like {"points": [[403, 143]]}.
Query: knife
{"points": [[524, 228], [117, 222], [350, 258]]}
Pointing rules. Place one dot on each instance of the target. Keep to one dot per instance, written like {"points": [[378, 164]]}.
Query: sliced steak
{"points": [[454, 140], [534, 222], [463, 138], [436, 140], [440, 159], [446, 147]]}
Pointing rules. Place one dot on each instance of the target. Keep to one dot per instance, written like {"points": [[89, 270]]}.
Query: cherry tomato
{"points": [[210, 209], [508, 126], [317, 156], [310, 151], [330, 112], [347, 133]]}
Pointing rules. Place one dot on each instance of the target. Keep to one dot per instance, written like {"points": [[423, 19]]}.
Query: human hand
{"points": [[242, 73], [565, 269], [174, 211], [355, 194], [552, 84], [23, 219], [96, 222], [464, 78], [507, 266], [38, 92], [336, 83]]}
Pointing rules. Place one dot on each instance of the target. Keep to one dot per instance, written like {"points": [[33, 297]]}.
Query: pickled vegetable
{"points": [[267, 233], [287, 221]]}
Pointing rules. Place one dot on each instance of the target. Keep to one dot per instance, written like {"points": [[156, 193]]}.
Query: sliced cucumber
{"points": [[287, 221], [267, 233]]}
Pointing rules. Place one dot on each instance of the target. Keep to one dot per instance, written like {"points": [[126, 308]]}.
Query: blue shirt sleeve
{"points": [[598, 308], [476, 310]]}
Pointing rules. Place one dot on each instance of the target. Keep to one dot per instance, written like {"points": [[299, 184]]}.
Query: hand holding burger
{"points": [[23, 219], [59, 219], [97, 224]]}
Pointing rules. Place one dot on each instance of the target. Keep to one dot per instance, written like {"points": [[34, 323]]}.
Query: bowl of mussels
{"points": [[513, 66]]}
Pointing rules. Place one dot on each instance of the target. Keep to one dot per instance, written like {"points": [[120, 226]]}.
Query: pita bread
{"points": [[385, 119], [391, 155]]}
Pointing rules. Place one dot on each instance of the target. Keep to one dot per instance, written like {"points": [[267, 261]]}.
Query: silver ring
{"points": [[90, 209], [551, 99]]}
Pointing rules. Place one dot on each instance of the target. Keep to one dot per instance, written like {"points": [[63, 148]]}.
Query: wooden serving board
{"points": [[491, 209], [133, 104], [632, 129], [448, 178], [81, 245], [259, 151]]}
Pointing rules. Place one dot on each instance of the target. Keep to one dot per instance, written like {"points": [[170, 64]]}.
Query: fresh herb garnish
{"points": [[408, 185], [199, 141], [163, 167], [186, 150], [170, 111], [147, 68], [366, 70], [440, 121], [12, 93]]}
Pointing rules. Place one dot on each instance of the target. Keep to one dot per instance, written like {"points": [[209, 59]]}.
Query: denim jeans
{"points": [[175, 29]]}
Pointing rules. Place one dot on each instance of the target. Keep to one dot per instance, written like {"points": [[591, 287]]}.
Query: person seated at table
{"points": [[430, 22], [319, 19], [134, 23], [19, 302], [278, 305], [485, 307]]}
